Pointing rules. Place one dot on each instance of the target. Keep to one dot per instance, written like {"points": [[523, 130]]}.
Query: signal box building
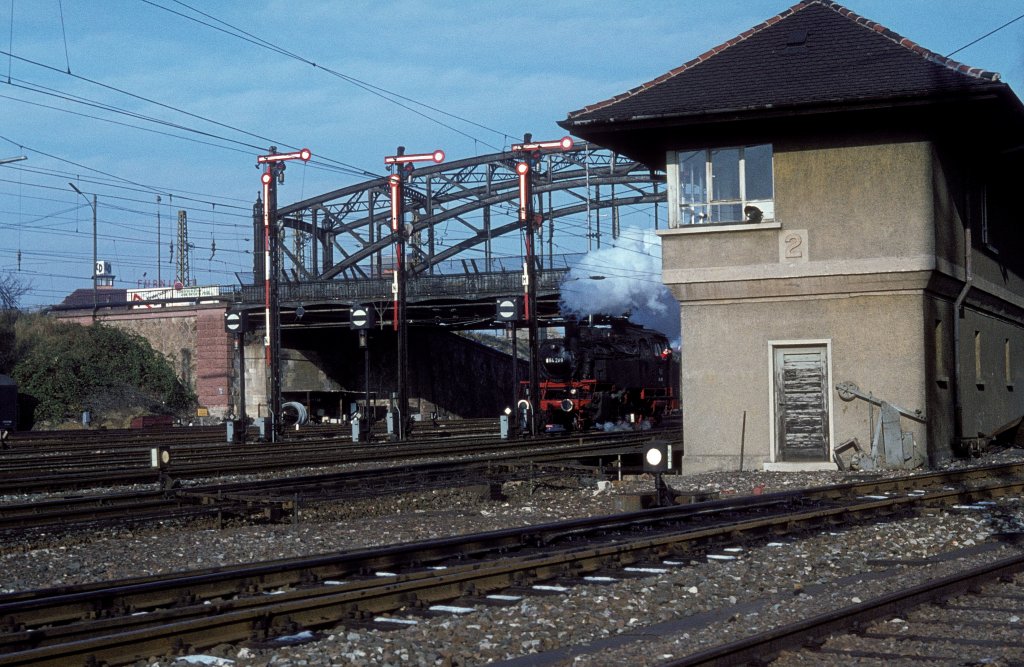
{"points": [[843, 241]]}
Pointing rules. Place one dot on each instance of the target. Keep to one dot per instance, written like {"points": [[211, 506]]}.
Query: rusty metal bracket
{"points": [[891, 446], [849, 391]]}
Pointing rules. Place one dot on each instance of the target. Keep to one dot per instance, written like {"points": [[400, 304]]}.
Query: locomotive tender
{"points": [[8, 404], [606, 375]]}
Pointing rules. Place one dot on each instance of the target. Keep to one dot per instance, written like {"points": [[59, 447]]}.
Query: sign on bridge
{"points": [[142, 298]]}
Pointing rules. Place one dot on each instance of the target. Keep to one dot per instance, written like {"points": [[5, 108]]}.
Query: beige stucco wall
{"points": [[992, 391], [863, 216], [880, 233], [727, 356], [861, 202], [856, 202]]}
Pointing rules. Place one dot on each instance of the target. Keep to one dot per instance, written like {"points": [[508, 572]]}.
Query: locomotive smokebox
{"points": [[558, 360]]}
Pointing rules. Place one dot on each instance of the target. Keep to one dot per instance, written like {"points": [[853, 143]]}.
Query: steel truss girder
{"points": [[353, 220]]}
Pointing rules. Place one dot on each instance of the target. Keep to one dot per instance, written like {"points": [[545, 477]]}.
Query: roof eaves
{"points": [[691, 63], [792, 109], [910, 44], [830, 4]]}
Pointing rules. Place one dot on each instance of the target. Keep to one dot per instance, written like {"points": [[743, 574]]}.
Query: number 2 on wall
{"points": [[794, 246]]}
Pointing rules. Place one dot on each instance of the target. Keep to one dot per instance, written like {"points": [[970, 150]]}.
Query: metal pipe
{"points": [[958, 416], [95, 257], [159, 278]]}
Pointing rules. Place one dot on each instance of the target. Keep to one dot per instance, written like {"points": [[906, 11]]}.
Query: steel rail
{"points": [[323, 606], [27, 446], [765, 646], [279, 495], [75, 511], [41, 441], [103, 453], [213, 460]]}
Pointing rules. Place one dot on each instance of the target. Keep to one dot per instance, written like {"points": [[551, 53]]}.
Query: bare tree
{"points": [[12, 288]]}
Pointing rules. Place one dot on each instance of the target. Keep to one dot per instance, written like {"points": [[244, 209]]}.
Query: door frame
{"points": [[773, 445]]}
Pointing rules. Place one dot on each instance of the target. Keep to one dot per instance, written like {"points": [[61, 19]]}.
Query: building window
{"points": [[726, 185], [978, 377], [987, 237], [1007, 364], [940, 357]]}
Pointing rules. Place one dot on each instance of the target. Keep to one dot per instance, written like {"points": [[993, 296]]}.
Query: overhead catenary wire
{"points": [[568, 228], [64, 34], [148, 100], [379, 91], [985, 36], [140, 187]]}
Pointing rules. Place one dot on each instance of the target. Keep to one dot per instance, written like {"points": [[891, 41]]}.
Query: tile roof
{"points": [[814, 53], [105, 296]]}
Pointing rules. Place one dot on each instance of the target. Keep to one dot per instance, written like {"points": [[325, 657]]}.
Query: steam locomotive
{"points": [[611, 375]]}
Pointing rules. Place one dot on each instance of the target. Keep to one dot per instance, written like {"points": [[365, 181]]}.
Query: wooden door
{"points": [[801, 404]]}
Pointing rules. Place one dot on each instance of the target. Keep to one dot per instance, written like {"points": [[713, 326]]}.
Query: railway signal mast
{"points": [[273, 174], [530, 152], [401, 167]]}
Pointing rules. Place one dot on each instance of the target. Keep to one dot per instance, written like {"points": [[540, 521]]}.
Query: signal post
{"points": [[530, 153], [401, 167], [273, 173]]}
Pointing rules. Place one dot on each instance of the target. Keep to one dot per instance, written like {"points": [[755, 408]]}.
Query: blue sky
{"points": [[500, 69]]}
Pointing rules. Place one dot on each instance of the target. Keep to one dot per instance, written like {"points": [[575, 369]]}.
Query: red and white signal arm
{"points": [[303, 154], [436, 156], [565, 143]]}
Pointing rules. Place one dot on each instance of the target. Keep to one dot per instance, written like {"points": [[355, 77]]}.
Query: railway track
{"points": [[119, 622], [815, 631], [38, 442], [29, 472], [274, 498], [56, 442], [925, 622]]}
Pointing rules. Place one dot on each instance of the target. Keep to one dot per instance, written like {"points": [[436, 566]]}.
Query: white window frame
{"points": [[674, 189]]}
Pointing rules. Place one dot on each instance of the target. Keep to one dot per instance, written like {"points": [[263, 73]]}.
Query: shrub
{"points": [[68, 368]]}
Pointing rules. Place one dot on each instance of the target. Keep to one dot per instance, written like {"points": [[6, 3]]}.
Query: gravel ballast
{"points": [[591, 624]]}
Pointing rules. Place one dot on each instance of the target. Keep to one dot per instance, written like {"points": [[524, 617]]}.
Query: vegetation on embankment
{"points": [[64, 369]]}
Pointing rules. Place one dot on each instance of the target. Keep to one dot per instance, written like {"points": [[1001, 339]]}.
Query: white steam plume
{"points": [[624, 279]]}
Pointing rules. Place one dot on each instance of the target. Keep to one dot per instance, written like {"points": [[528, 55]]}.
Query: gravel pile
{"points": [[592, 624]]}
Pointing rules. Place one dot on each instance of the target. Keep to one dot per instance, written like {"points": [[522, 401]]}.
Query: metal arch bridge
{"points": [[338, 244]]}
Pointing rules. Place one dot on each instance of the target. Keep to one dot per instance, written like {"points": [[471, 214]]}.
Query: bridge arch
{"points": [[459, 209]]}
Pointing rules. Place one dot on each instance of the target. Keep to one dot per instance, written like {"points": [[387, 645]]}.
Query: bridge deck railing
{"points": [[471, 286]]}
